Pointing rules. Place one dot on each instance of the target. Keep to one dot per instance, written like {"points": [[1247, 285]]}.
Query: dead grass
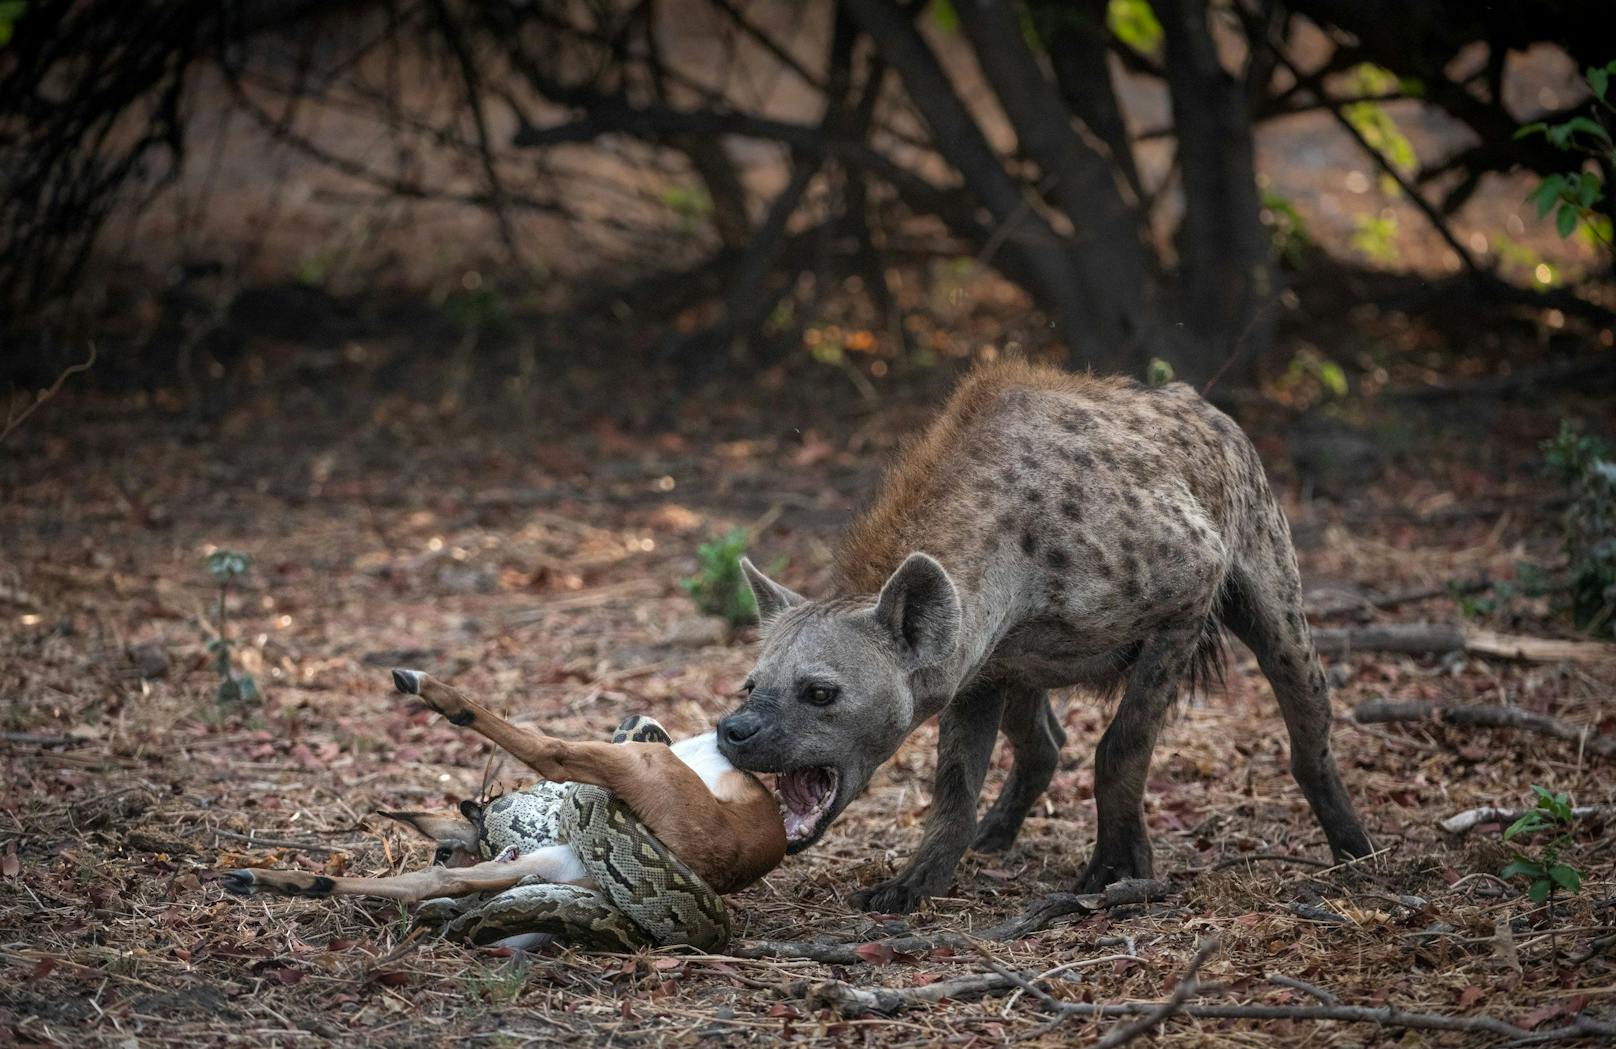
{"points": [[475, 555]]}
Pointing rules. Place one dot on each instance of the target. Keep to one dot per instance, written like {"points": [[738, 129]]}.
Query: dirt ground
{"points": [[529, 548]]}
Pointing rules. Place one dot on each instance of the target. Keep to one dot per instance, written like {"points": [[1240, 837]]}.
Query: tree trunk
{"points": [[1045, 258], [1108, 251], [1226, 277], [1074, 34]]}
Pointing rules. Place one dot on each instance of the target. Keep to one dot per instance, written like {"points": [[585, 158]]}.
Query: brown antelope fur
{"points": [[724, 824], [730, 835], [1047, 530]]}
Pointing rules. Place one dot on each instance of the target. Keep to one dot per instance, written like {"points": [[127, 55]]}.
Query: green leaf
{"points": [[229, 691], [1333, 378], [1135, 24], [1531, 129], [1565, 221], [1588, 127], [1566, 876], [1539, 890], [1522, 867], [943, 16], [1599, 80], [247, 689], [1547, 192], [1158, 372], [1528, 823]]}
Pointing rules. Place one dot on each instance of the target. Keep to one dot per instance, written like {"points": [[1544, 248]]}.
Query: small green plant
{"points": [[496, 985], [1546, 874], [1158, 372], [1584, 462], [228, 568], [1573, 196], [719, 587]]}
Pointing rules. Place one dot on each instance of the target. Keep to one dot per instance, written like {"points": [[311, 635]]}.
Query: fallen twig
{"points": [[1484, 716], [1351, 602], [1260, 857], [1434, 639], [1470, 819], [12, 422], [1312, 990], [849, 1001], [1187, 985], [280, 843]]}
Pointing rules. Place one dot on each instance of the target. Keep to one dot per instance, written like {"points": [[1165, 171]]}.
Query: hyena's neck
{"points": [[992, 601]]}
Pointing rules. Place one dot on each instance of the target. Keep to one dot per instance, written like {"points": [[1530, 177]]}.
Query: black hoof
{"points": [[407, 681], [241, 882]]}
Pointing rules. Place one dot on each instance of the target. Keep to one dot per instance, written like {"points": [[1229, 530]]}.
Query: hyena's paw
{"points": [[1114, 863], [898, 896]]}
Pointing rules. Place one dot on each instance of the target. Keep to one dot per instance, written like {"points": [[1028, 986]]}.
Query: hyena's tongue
{"points": [[805, 797]]}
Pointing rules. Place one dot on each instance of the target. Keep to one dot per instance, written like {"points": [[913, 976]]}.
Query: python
{"points": [[689, 812]]}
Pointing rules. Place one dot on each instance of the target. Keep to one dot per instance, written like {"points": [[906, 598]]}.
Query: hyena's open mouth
{"points": [[807, 796]]}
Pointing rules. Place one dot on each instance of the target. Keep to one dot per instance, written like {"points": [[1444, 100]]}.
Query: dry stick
{"points": [[852, 1001], [45, 395], [1484, 715], [1187, 985], [1434, 217], [280, 843], [1312, 990], [1443, 638], [1470, 819]]}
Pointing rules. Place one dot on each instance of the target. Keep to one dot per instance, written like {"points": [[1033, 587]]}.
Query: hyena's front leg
{"points": [[1122, 758], [966, 732], [555, 863], [1035, 737]]}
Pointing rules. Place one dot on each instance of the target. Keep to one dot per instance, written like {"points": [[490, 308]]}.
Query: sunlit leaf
{"points": [[1566, 876], [1135, 24]]}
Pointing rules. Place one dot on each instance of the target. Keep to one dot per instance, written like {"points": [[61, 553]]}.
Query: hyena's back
{"points": [[1118, 504]]}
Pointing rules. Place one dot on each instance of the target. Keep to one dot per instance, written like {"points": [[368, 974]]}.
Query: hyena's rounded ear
{"points": [[920, 610], [771, 597]]}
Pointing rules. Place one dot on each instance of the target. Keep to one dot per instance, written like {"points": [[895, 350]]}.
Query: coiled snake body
{"points": [[644, 896]]}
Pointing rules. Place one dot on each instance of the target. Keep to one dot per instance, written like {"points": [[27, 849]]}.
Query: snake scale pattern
{"points": [[645, 896]]}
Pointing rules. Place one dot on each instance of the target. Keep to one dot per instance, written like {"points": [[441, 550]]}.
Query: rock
{"points": [[150, 659]]}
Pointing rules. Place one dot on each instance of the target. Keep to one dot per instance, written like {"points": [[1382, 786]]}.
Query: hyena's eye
{"points": [[747, 686], [820, 695]]}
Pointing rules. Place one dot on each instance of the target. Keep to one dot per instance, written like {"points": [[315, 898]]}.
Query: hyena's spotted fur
{"points": [[1096, 532]]}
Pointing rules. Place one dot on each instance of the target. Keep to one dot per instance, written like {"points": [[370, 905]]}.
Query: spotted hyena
{"points": [[1047, 530]]}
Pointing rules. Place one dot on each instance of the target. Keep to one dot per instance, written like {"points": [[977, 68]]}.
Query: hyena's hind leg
{"points": [[1035, 739], [1264, 610]]}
